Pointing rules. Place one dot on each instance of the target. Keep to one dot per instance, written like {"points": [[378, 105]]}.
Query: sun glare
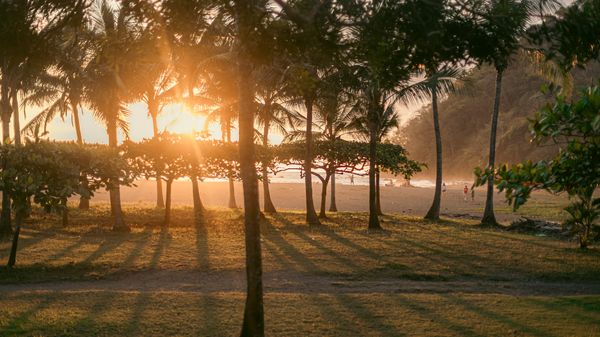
{"points": [[177, 118]]}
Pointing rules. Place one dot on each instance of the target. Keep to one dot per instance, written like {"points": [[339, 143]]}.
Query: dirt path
{"points": [[293, 282]]}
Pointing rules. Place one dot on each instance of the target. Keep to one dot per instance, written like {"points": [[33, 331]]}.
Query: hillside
{"points": [[465, 121]]}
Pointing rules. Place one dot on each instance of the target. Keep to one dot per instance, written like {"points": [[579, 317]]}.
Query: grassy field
{"points": [[416, 279]]}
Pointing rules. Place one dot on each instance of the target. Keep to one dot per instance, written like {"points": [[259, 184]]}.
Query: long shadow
{"points": [[25, 242], [559, 306], [367, 316], [133, 325], [136, 251], [103, 248], [211, 320], [163, 240], [104, 302], [514, 238], [65, 251], [460, 329], [350, 244], [315, 243], [497, 317], [292, 252], [13, 326], [202, 248]]}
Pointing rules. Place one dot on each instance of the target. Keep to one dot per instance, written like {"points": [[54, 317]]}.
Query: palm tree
{"points": [[61, 89], [271, 97], [387, 121], [495, 40], [110, 77], [222, 107], [334, 116], [198, 32], [313, 46], [27, 30], [248, 15]]}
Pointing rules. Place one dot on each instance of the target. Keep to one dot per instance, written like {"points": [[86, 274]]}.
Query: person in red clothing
{"points": [[466, 191]]}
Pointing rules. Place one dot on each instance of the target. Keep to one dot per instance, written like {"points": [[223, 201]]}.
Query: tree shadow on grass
{"points": [[460, 329], [290, 251], [588, 309], [363, 313], [500, 318], [15, 325], [202, 247]]}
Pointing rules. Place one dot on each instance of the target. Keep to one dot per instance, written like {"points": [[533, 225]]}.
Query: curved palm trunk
{"points": [[17, 120], [5, 216], [488, 214], [311, 214], [378, 191], [434, 210], [253, 324], [115, 190], [160, 201], [268, 203], [332, 203], [373, 214], [84, 200]]}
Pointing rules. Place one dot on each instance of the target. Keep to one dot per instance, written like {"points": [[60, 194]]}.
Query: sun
{"points": [[177, 118]]}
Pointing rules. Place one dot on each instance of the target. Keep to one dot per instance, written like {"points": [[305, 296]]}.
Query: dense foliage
{"points": [[575, 128]]}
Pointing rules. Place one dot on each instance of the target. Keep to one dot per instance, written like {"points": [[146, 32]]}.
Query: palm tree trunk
{"points": [[115, 189], [17, 120], [311, 214], [332, 203], [373, 215], [232, 203], [167, 220], [84, 200], [75, 112], [324, 182], [488, 214], [268, 203], [253, 324], [378, 189], [5, 216], [434, 210], [160, 201], [12, 259]]}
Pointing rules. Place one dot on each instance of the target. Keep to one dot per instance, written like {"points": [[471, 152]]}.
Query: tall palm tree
{"points": [[111, 74], [387, 121], [312, 42], [197, 31], [27, 30], [271, 96], [334, 116], [494, 40], [222, 107]]}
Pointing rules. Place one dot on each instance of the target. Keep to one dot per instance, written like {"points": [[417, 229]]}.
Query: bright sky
{"points": [[175, 118]]}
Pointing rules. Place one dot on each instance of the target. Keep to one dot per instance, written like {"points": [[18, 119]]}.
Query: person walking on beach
{"points": [[352, 179], [465, 191]]}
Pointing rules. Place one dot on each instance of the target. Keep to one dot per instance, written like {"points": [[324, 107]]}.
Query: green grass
{"points": [[429, 257]]}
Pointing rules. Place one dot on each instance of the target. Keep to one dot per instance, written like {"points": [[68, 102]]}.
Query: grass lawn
{"points": [[416, 279]]}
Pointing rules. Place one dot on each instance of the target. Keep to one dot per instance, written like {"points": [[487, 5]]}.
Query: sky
{"points": [[175, 118]]}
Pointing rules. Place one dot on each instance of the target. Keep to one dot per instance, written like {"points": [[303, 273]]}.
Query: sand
{"points": [[290, 196]]}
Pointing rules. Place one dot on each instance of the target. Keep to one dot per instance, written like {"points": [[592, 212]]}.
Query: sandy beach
{"points": [[350, 198]]}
